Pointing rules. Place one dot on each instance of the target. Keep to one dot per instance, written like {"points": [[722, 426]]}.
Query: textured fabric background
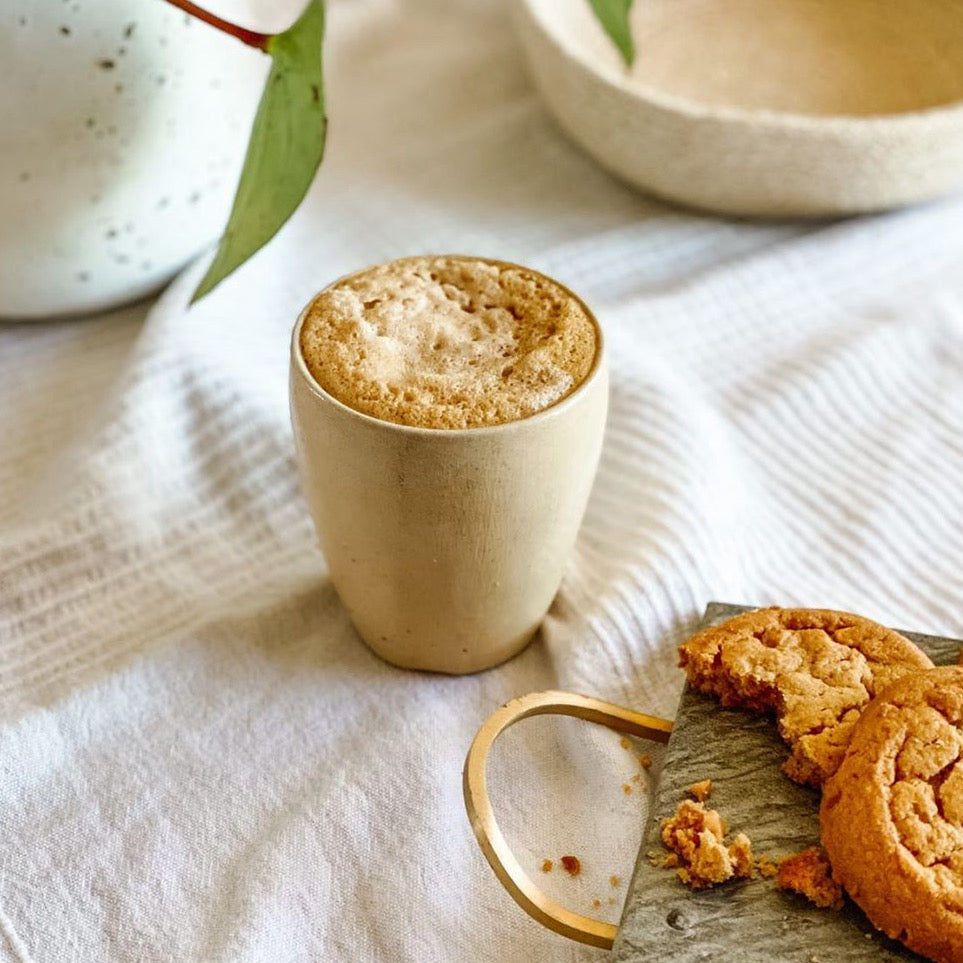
{"points": [[198, 758]]}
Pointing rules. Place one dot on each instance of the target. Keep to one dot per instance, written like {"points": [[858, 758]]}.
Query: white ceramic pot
{"points": [[123, 125], [865, 99]]}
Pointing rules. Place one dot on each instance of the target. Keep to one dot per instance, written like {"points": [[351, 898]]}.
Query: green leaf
{"points": [[285, 150], [614, 17]]}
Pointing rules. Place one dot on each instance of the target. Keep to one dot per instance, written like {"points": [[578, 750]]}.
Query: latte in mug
{"points": [[448, 415], [447, 342]]}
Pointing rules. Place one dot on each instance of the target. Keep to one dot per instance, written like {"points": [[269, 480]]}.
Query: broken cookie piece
{"points": [[696, 837], [701, 790], [810, 874]]}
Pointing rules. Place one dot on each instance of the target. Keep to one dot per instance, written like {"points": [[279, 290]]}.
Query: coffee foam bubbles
{"points": [[446, 342]]}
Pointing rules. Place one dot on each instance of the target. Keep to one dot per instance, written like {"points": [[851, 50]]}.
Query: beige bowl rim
{"points": [[947, 114]]}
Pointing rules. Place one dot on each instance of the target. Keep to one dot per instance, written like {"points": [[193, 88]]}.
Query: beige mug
{"points": [[447, 546]]}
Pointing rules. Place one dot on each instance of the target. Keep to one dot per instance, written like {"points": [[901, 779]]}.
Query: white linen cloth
{"points": [[198, 758]]}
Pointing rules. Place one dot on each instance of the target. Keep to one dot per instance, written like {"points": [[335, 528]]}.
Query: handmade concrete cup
{"points": [[447, 546]]}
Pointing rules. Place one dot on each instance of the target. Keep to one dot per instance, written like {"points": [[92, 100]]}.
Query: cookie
{"points": [[814, 668], [892, 816]]}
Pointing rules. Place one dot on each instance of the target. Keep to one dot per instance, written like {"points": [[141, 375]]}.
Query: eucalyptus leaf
{"points": [[285, 149], [614, 17]]}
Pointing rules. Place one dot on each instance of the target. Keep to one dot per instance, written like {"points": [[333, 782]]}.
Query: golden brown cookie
{"points": [[892, 815], [814, 668]]}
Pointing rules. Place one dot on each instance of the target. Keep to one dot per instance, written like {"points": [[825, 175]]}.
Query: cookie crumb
{"points": [[627, 789], [696, 837], [741, 853], [572, 865], [701, 791], [809, 874], [547, 866], [596, 903], [612, 901], [624, 742], [615, 881], [767, 866], [645, 760]]}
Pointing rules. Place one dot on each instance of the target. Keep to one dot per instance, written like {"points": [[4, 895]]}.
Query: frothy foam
{"points": [[448, 342]]}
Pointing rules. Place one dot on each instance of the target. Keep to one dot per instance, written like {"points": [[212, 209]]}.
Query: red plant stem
{"points": [[251, 37]]}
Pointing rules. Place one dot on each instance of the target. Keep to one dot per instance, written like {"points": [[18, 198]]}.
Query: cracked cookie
{"points": [[892, 815], [815, 669]]}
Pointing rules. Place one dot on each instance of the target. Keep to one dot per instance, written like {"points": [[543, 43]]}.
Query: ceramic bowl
{"points": [[865, 120]]}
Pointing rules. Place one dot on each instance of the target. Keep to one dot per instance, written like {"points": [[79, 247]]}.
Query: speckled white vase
{"points": [[123, 125]]}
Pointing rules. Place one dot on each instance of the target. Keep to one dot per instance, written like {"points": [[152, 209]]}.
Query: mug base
{"points": [[464, 662]]}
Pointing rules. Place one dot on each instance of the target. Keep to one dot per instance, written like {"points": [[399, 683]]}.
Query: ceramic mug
{"points": [[447, 546]]}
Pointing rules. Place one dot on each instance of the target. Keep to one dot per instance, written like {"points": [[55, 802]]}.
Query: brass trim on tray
{"points": [[510, 874]]}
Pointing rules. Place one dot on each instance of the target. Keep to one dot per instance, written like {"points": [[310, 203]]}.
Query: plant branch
{"points": [[251, 37]]}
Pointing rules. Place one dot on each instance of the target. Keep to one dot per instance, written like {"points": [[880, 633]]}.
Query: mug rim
{"points": [[299, 365]]}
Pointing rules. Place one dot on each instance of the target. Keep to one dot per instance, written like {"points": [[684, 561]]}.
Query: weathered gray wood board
{"points": [[747, 921]]}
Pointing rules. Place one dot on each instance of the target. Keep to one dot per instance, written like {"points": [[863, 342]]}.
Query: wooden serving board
{"points": [[749, 921]]}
